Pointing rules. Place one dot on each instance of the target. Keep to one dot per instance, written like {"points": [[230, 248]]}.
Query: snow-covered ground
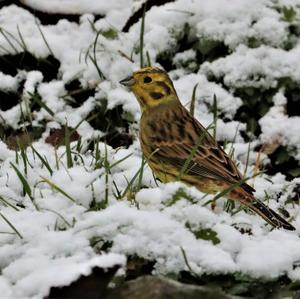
{"points": [[50, 241]]}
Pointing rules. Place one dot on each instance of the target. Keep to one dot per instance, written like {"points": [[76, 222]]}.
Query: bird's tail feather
{"points": [[269, 215]]}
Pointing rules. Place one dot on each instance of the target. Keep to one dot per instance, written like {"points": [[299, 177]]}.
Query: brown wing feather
{"points": [[209, 160]]}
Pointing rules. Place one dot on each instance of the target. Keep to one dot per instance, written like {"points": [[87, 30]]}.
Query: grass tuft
{"points": [[26, 187]]}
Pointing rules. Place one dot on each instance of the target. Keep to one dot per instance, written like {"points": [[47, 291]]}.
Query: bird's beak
{"points": [[129, 81]]}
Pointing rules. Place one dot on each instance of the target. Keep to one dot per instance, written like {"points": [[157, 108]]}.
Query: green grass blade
{"points": [[130, 183], [120, 161], [247, 161], [192, 153], [141, 173], [24, 182], [231, 151], [107, 172], [118, 195], [68, 147], [233, 186], [26, 187], [142, 31], [17, 157], [55, 187], [192, 107], [8, 40], [98, 159], [22, 43], [215, 113], [19, 42], [43, 160], [36, 98], [94, 58], [5, 202], [11, 226], [60, 216], [4, 50], [23, 156], [187, 262], [73, 130], [44, 38], [148, 58]]}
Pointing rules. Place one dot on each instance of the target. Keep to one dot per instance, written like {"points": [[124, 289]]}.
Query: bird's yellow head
{"points": [[152, 87]]}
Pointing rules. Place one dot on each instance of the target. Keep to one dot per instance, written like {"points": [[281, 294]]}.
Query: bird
{"points": [[176, 145]]}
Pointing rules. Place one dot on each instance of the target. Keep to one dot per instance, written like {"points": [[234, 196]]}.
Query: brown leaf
{"points": [[57, 136], [270, 148]]}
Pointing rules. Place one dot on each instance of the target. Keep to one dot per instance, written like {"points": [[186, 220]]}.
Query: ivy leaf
{"points": [[110, 33], [205, 234], [178, 195], [289, 14]]}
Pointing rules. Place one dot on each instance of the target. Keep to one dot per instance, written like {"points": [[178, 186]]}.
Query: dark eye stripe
{"points": [[156, 95], [165, 86]]}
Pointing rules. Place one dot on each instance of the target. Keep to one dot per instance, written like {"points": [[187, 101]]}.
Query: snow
{"points": [[160, 239], [33, 78], [77, 6], [260, 67], [187, 57], [156, 221], [282, 131], [8, 83], [205, 91]]}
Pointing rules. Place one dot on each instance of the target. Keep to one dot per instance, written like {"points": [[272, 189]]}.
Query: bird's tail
{"points": [[269, 215], [261, 209]]}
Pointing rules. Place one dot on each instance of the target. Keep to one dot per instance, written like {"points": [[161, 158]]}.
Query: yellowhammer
{"points": [[176, 145]]}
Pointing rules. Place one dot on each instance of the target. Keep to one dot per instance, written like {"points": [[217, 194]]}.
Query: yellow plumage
{"points": [[176, 146]]}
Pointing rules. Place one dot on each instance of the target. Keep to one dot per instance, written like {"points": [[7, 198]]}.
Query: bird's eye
{"points": [[147, 79]]}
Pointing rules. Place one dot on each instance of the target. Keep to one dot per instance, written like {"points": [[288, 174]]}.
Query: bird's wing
{"points": [[203, 163], [197, 152]]}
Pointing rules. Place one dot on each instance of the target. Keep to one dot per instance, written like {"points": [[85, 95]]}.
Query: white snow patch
{"points": [[276, 126]]}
